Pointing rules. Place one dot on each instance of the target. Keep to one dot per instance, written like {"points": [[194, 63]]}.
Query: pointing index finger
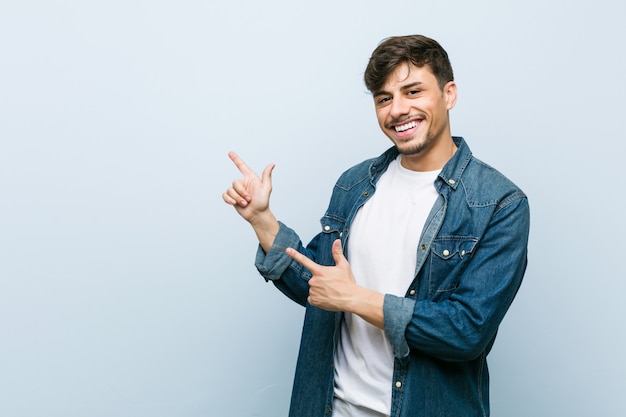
{"points": [[241, 166], [300, 258]]}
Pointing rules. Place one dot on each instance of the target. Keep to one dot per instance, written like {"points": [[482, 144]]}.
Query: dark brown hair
{"points": [[415, 49]]}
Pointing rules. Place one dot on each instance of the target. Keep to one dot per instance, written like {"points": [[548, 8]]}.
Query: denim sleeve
{"points": [[272, 265], [291, 278], [398, 312], [462, 325]]}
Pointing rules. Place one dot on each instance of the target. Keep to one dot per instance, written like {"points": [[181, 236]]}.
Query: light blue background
{"points": [[127, 286]]}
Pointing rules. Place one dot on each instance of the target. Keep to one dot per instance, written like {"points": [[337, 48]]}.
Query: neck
{"points": [[432, 159]]}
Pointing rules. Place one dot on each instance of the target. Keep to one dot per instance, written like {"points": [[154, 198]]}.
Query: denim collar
{"points": [[452, 171]]}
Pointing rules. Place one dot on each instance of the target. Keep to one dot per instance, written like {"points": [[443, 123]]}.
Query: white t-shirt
{"points": [[382, 250]]}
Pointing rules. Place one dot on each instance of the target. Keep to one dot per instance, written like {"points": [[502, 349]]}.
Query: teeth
{"points": [[407, 126]]}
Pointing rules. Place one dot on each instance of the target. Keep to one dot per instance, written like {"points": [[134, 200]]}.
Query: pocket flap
{"points": [[331, 225], [448, 247]]}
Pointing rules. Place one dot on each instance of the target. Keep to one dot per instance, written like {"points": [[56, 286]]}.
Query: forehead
{"points": [[407, 73]]}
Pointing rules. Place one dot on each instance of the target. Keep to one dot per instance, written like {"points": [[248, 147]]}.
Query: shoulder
{"points": [[485, 185]]}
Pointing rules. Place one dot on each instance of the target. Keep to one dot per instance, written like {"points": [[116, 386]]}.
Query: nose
{"points": [[399, 107]]}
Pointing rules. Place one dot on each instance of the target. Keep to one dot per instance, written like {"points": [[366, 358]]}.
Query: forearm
{"points": [[266, 228], [368, 305], [448, 330]]}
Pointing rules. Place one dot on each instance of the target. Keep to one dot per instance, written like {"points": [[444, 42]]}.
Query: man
{"points": [[420, 254]]}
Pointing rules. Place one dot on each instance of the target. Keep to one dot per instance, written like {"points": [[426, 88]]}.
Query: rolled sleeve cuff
{"points": [[398, 312], [272, 265]]}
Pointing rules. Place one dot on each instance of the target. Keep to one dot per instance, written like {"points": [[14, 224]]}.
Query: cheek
{"points": [[381, 117]]}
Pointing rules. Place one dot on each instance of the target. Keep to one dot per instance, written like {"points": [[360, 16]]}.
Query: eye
{"points": [[413, 92], [383, 100]]}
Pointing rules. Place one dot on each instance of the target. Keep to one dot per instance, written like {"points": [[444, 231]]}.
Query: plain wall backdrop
{"points": [[127, 286]]}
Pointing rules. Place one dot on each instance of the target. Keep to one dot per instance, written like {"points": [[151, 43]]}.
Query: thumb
{"points": [[266, 176], [338, 252]]}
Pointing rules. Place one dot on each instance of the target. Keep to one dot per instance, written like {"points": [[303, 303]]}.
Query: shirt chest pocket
{"points": [[448, 259]]}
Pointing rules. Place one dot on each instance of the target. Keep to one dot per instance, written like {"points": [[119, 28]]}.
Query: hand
{"points": [[334, 288], [331, 287], [249, 195]]}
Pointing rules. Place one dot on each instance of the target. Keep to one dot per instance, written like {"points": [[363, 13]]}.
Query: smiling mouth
{"points": [[406, 126]]}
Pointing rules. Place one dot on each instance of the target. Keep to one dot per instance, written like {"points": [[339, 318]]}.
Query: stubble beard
{"points": [[417, 148]]}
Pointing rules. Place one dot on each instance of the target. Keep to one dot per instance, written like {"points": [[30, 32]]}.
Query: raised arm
{"points": [[250, 196]]}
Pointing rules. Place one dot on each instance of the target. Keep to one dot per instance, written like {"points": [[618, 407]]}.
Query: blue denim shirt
{"points": [[470, 262]]}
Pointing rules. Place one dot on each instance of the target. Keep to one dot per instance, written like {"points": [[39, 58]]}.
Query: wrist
{"points": [[264, 220], [368, 304], [266, 228]]}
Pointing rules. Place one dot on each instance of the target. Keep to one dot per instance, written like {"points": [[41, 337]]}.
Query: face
{"points": [[412, 111]]}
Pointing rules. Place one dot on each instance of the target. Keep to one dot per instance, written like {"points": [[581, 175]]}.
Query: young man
{"points": [[420, 254]]}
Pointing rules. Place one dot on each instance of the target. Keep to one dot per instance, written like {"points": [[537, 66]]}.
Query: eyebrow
{"points": [[404, 87]]}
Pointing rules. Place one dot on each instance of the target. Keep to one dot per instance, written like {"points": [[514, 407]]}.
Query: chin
{"points": [[411, 148]]}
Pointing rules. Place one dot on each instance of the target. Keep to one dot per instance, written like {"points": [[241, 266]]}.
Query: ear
{"points": [[449, 92]]}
